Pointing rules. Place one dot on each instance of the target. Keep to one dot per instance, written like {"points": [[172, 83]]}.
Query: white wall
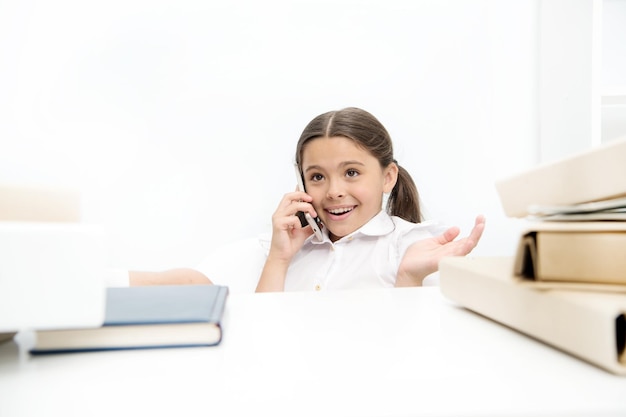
{"points": [[613, 75], [178, 120], [613, 47]]}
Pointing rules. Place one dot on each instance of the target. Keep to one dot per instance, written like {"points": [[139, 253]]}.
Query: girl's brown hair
{"points": [[364, 129]]}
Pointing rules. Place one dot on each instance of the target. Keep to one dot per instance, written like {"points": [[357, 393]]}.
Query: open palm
{"points": [[422, 258]]}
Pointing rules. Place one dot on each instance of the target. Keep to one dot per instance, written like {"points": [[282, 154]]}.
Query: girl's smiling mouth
{"points": [[339, 213]]}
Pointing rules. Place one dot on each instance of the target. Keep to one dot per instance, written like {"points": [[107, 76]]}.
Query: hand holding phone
{"points": [[314, 223]]}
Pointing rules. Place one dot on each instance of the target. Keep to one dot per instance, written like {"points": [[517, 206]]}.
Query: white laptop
{"points": [[51, 271]]}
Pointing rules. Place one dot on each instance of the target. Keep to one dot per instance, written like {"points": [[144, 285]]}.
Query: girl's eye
{"points": [[317, 177], [352, 173]]}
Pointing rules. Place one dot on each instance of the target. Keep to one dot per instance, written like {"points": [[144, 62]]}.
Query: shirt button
{"points": [[318, 287]]}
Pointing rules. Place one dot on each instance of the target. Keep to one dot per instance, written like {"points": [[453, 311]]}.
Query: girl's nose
{"points": [[335, 190]]}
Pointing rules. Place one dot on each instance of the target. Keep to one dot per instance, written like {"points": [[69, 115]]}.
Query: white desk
{"points": [[397, 352]]}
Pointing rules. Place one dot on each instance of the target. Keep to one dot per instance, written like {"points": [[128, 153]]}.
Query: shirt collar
{"points": [[379, 225]]}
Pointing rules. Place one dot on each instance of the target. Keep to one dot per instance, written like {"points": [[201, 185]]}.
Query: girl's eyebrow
{"points": [[342, 164]]}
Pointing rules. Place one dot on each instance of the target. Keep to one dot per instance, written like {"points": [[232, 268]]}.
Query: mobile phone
{"points": [[313, 222]]}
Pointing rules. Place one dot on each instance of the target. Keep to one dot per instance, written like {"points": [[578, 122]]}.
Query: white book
{"points": [[591, 176], [586, 324]]}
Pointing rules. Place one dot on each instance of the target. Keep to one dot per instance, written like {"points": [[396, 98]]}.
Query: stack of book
{"points": [[51, 300], [566, 283]]}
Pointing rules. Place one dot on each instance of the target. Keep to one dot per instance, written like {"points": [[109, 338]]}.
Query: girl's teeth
{"points": [[340, 211]]}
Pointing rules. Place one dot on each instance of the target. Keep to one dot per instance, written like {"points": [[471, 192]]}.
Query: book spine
{"points": [[581, 257], [219, 305]]}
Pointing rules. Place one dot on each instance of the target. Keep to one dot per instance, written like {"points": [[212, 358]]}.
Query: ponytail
{"points": [[404, 198]]}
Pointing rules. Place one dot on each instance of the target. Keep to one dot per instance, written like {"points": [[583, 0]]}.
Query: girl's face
{"points": [[346, 182]]}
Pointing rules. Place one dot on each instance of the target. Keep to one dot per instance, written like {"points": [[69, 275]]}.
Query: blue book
{"points": [[146, 317]]}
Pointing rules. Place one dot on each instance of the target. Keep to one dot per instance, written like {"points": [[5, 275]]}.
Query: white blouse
{"points": [[366, 258]]}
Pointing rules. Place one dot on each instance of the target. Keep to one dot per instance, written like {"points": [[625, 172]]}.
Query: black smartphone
{"points": [[306, 218]]}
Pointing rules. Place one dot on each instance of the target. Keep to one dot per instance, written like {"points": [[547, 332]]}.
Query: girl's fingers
{"points": [[472, 240], [478, 229], [289, 206], [288, 219], [451, 234], [297, 196]]}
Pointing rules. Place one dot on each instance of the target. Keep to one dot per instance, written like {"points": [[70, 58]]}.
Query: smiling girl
{"points": [[347, 164]]}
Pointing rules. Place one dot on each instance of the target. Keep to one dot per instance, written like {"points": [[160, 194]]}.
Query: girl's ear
{"points": [[390, 177]]}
